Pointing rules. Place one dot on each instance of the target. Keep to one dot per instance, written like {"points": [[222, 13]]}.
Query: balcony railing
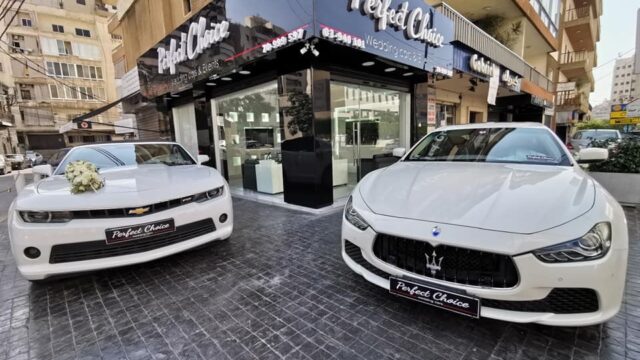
{"points": [[573, 99], [576, 56], [577, 13], [471, 35]]}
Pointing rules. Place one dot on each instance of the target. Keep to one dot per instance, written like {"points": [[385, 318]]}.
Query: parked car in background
{"points": [[16, 160], [582, 139], [533, 238], [55, 158], [33, 158], [5, 166], [156, 201]]}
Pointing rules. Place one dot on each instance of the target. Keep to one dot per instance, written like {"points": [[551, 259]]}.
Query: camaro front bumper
{"points": [[82, 232], [605, 276]]}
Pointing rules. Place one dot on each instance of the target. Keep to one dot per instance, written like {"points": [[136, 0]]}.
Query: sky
{"points": [[617, 36]]}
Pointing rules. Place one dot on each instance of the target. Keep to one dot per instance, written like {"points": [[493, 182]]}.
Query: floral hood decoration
{"points": [[83, 176]]}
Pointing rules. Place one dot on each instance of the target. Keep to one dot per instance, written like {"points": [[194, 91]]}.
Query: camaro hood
{"points": [[502, 197], [126, 186]]}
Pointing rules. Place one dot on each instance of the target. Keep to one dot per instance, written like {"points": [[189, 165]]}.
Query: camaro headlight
{"points": [[353, 217], [208, 195], [46, 216], [593, 245]]}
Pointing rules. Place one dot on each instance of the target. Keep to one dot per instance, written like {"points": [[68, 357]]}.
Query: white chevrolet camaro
{"points": [[156, 201], [492, 220]]}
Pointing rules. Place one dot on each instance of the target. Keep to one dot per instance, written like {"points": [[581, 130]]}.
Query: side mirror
{"points": [[203, 159], [592, 155], [44, 170], [399, 152]]}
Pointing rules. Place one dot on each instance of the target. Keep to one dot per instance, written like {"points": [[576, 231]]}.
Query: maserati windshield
{"points": [[496, 145], [112, 155]]}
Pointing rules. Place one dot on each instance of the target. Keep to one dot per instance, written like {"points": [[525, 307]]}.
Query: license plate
{"points": [[140, 231], [435, 296]]}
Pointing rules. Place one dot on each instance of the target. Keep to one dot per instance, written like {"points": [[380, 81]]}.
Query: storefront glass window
{"points": [[249, 132], [367, 124], [446, 114]]}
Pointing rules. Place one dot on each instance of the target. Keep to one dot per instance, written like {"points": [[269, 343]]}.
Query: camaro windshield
{"points": [[496, 145], [112, 155]]}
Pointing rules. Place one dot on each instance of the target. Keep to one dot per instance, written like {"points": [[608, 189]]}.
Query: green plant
{"points": [[301, 113], [624, 157], [593, 124], [497, 27]]}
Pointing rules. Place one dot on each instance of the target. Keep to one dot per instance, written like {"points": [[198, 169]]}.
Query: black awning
{"points": [[98, 111]]}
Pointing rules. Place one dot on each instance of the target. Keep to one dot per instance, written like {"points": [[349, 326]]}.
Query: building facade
{"points": [[624, 84], [56, 56], [578, 35], [303, 100]]}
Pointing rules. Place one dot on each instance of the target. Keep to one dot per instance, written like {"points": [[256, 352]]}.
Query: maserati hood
{"points": [[502, 197], [126, 186]]}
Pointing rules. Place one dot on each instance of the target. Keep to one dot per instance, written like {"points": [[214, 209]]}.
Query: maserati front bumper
{"points": [[565, 294]]}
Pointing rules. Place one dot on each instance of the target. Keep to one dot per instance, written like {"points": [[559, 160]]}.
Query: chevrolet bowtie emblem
{"points": [[138, 211]]}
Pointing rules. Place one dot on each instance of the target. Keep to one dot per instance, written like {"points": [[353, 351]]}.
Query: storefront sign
{"points": [[633, 109], [415, 23], [443, 71], [485, 67], [284, 40], [494, 83], [431, 106], [625, 121], [618, 114], [342, 37], [512, 81], [566, 86], [130, 82], [192, 44]]}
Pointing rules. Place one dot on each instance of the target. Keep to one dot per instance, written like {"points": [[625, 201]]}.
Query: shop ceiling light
{"points": [[407, 74], [211, 84], [390, 69], [226, 78], [368, 63], [244, 72]]}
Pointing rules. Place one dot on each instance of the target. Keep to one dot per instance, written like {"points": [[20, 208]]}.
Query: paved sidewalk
{"points": [[277, 289]]}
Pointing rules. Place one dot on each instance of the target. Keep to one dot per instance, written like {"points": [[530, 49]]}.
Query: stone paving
{"points": [[277, 289]]}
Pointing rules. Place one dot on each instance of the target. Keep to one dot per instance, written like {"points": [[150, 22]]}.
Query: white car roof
{"points": [[493, 125], [124, 143]]}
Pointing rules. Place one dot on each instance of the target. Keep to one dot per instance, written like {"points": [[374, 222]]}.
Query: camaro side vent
{"points": [[100, 249], [448, 263]]}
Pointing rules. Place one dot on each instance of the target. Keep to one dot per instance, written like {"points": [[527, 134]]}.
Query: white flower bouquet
{"points": [[83, 176]]}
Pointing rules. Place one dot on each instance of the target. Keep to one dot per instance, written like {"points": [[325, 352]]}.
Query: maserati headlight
{"points": [[46, 216], [353, 217], [593, 245]]}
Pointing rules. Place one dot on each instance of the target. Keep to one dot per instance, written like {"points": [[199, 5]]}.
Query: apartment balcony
{"points": [[577, 64], [469, 34], [571, 100], [582, 27]]}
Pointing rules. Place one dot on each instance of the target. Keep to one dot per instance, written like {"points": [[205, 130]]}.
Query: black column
{"points": [[306, 149]]}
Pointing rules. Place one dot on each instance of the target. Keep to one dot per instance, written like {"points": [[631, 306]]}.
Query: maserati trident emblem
{"points": [[138, 211], [434, 264], [435, 231]]}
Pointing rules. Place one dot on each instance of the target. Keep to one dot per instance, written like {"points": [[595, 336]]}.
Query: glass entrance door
{"points": [[367, 123]]}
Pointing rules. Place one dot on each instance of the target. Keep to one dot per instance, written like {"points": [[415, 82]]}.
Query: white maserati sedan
{"points": [[492, 220], [156, 200]]}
